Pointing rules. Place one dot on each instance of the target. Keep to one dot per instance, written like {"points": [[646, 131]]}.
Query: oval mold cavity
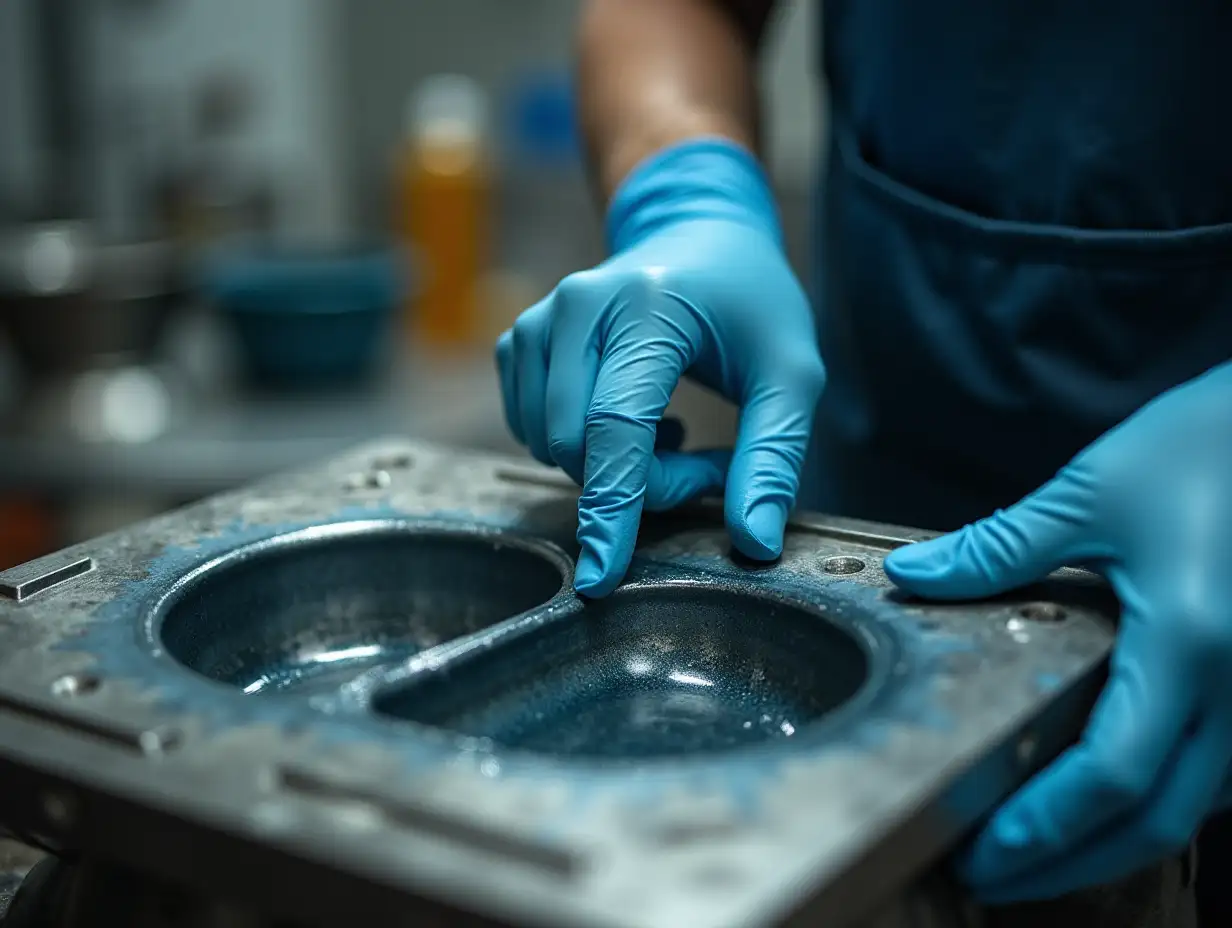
{"points": [[310, 610], [649, 672]]}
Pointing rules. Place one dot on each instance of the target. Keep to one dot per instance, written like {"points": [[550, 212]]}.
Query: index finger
{"points": [[648, 342]]}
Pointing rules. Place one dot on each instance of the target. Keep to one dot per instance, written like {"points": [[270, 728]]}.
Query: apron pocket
{"points": [[1027, 242], [986, 352]]}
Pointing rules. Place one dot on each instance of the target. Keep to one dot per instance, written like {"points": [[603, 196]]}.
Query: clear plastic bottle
{"points": [[444, 210]]}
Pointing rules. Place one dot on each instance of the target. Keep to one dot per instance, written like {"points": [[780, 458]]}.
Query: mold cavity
{"points": [[657, 671], [312, 609]]}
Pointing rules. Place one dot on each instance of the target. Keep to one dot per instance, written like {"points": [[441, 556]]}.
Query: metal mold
{"points": [[452, 736], [656, 671], [92, 725], [523, 850], [310, 609]]}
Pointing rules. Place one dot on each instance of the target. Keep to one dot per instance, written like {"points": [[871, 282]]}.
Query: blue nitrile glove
{"points": [[1150, 505], [697, 285]]}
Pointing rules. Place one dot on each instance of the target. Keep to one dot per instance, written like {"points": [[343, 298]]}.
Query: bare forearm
{"points": [[656, 72]]}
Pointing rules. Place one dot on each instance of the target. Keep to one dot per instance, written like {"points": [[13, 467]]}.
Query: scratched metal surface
{"points": [[267, 772]]}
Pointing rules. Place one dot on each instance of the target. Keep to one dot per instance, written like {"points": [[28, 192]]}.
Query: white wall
{"points": [[795, 116], [287, 51], [293, 52], [17, 129]]}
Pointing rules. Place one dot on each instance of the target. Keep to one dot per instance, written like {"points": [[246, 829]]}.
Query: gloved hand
{"points": [[697, 285], [1150, 505]]}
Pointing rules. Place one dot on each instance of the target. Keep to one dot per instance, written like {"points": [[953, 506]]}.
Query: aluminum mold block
{"points": [[371, 678]]}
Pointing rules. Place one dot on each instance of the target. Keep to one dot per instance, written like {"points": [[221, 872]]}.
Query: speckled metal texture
{"points": [[366, 691]]}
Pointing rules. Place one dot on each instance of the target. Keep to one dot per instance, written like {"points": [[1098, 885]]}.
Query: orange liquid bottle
{"points": [[445, 212]]}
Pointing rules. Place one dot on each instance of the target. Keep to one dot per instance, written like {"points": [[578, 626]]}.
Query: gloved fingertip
{"points": [[766, 522], [1012, 833], [917, 567], [998, 852], [588, 578]]}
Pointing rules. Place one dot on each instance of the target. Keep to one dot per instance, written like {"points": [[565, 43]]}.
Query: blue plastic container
{"points": [[308, 320]]}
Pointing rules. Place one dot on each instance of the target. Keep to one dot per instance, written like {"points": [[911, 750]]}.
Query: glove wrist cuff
{"points": [[708, 178]]}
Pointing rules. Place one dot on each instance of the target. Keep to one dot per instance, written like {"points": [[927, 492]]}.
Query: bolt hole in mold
{"points": [[372, 480], [72, 685], [395, 460], [653, 671], [309, 610], [843, 565]]}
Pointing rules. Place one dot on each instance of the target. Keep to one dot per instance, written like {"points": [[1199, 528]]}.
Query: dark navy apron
{"points": [[1025, 233]]}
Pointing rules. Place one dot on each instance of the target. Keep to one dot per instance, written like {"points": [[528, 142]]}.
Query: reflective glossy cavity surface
{"points": [[654, 671], [309, 613]]}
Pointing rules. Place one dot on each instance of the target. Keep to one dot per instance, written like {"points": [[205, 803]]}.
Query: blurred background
{"points": [[238, 235]]}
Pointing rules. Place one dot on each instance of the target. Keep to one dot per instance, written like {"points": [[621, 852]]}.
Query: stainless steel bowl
{"points": [[70, 301]]}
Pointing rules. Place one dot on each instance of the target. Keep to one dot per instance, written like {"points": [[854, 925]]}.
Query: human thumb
{"points": [[1008, 549]]}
